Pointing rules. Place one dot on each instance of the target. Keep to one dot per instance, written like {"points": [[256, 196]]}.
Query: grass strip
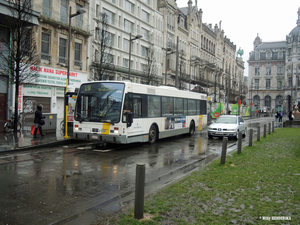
{"points": [[253, 187]]}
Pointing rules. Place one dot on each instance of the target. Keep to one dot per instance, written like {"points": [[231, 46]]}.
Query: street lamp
{"points": [[79, 11], [130, 40]]}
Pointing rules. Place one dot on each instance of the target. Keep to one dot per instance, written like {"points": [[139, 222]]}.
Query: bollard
{"points": [[240, 142], [258, 133], [250, 137], [273, 126], [224, 149], [139, 191], [283, 124], [269, 128], [265, 130]]}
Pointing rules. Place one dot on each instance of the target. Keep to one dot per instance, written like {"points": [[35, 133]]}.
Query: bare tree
{"points": [[19, 56], [183, 78], [150, 70], [102, 65]]}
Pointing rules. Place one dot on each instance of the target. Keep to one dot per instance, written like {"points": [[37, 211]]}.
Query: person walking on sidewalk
{"points": [[280, 116], [37, 120], [277, 116]]}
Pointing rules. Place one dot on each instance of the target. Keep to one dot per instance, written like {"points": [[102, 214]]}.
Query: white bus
{"points": [[124, 112]]}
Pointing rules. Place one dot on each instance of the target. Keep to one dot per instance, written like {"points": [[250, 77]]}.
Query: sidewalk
{"points": [[25, 141]]}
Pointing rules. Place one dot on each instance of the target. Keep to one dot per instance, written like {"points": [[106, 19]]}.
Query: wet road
{"points": [[75, 184]]}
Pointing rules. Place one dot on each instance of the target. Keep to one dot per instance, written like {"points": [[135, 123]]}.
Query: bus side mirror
{"points": [[129, 119]]}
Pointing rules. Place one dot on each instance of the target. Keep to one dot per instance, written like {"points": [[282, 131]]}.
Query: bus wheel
{"points": [[192, 128], [152, 134]]}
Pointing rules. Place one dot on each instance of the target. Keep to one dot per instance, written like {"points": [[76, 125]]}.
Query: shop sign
{"points": [[36, 90], [57, 77]]}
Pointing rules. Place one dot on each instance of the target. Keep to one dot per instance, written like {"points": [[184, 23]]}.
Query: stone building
{"points": [[273, 73]]}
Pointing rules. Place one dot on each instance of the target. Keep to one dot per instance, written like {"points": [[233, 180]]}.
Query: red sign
{"points": [[216, 114]]}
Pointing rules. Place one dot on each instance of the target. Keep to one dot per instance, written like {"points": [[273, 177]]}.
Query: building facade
{"points": [[274, 69]]}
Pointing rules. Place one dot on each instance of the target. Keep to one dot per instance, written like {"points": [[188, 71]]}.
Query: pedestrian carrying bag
{"points": [[32, 130], [293, 116], [42, 122]]}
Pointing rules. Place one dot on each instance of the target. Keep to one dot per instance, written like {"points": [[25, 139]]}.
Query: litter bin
{"points": [[50, 121]]}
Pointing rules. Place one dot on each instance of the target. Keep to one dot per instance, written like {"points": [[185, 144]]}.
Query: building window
{"points": [[110, 16], [64, 11], [145, 34], [268, 83], [46, 8], [279, 84], [280, 55], [279, 70], [128, 26], [125, 63], [126, 45], [289, 81], [147, 2], [256, 84], [129, 7], [78, 51], [145, 51], [257, 71], [79, 17], [45, 43], [268, 102], [269, 55], [45, 48], [268, 71], [62, 50], [145, 16], [262, 56]]}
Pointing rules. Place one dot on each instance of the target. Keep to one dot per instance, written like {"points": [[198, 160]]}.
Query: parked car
{"points": [[227, 126]]}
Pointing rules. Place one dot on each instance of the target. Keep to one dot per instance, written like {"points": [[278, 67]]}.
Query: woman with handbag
{"points": [[39, 121]]}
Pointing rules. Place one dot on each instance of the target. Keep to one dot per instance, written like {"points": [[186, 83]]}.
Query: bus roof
{"points": [[168, 91]]}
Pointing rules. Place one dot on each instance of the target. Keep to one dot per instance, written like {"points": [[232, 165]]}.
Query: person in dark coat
{"points": [[291, 115], [37, 120]]}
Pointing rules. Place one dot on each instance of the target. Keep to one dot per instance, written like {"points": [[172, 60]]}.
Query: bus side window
{"points": [[178, 106], [127, 104], [154, 106], [137, 107], [167, 106], [185, 112]]}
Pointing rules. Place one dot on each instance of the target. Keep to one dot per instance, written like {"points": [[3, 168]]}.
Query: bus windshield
{"points": [[99, 102]]}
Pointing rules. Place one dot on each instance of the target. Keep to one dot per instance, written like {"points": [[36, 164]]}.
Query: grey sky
{"points": [[243, 20]]}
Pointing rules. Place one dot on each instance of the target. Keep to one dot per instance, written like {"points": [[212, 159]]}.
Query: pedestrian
{"points": [[38, 116], [276, 116], [280, 116], [291, 116]]}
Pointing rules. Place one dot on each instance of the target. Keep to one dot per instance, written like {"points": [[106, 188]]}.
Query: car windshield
{"points": [[228, 120]]}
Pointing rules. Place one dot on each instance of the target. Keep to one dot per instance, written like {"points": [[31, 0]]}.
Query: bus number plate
{"points": [[94, 137]]}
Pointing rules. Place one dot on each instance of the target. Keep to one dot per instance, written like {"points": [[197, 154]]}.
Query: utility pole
{"points": [[177, 54]]}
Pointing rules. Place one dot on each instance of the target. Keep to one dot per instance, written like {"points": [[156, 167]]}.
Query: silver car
{"points": [[227, 126]]}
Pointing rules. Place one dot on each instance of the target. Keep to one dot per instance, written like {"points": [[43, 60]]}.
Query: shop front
{"points": [[48, 90]]}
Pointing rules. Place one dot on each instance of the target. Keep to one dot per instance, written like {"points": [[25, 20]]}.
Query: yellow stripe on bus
{"points": [[200, 122], [105, 128]]}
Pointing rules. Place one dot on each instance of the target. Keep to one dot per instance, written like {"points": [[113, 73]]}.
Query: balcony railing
{"points": [[78, 63], [46, 58]]}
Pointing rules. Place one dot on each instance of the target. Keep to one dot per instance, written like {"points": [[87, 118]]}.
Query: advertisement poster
{"points": [[234, 109], [218, 111], [247, 111], [71, 107], [175, 122]]}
